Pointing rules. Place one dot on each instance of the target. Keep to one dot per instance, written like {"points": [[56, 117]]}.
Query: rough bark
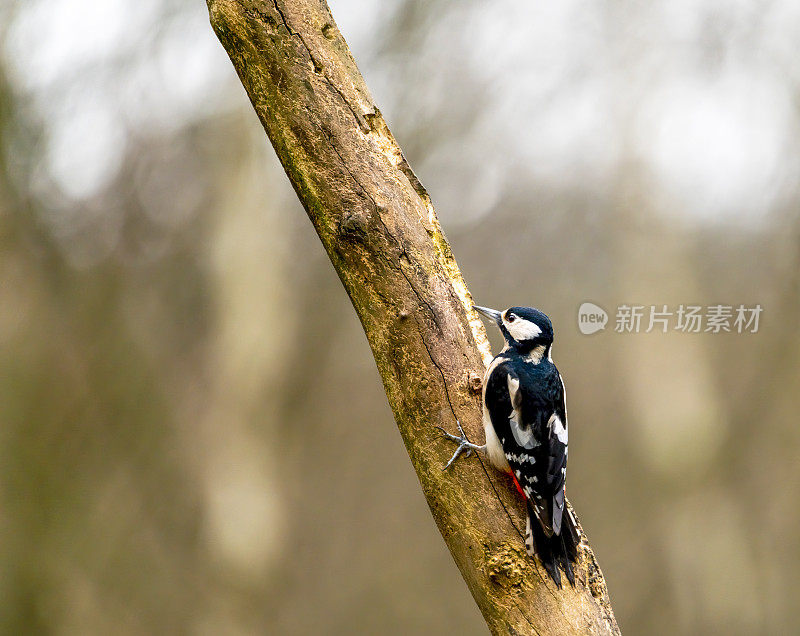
{"points": [[382, 235]]}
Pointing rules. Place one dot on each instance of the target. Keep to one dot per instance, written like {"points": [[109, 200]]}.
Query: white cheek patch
{"points": [[522, 330]]}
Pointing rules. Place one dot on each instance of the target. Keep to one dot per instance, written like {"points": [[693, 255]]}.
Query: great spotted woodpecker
{"points": [[525, 422]]}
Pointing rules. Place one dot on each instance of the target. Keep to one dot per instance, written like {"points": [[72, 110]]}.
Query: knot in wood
{"points": [[475, 382], [505, 567], [353, 226]]}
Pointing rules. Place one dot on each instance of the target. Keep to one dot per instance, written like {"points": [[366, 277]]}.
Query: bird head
{"points": [[522, 327]]}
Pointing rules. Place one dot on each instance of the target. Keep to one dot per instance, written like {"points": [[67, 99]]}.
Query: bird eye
{"points": [[511, 318]]}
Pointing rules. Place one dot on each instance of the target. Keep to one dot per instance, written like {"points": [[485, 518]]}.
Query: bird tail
{"points": [[555, 550]]}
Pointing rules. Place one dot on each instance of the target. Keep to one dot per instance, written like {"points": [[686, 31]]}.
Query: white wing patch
{"points": [[522, 458], [513, 392], [558, 429], [523, 436]]}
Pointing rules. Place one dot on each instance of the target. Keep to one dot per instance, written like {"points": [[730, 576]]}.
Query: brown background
{"points": [[193, 436]]}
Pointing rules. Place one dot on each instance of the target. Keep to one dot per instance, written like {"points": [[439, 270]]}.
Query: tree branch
{"points": [[382, 235]]}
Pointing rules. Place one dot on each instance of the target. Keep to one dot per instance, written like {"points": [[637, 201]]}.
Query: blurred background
{"points": [[164, 303]]}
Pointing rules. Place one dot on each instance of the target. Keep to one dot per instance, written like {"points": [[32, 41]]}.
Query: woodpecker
{"points": [[525, 422]]}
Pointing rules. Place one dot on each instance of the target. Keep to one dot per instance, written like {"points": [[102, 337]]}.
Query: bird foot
{"points": [[464, 445]]}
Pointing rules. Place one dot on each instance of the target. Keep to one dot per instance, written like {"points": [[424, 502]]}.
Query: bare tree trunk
{"points": [[383, 237]]}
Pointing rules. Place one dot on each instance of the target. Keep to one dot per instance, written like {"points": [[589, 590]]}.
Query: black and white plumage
{"points": [[525, 421]]}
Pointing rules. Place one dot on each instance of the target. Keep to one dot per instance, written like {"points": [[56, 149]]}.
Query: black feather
{"points": [[556, 550]]}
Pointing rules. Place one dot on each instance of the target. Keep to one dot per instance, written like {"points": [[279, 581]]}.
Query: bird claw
{"points": [[464, 445]]}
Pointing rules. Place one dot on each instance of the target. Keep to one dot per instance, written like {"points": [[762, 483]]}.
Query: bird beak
{"points": [[490, 313]]}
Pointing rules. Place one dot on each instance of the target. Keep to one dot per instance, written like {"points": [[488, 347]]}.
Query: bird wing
{"points": [[532, 428], [518, 434], [557, 443]]}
